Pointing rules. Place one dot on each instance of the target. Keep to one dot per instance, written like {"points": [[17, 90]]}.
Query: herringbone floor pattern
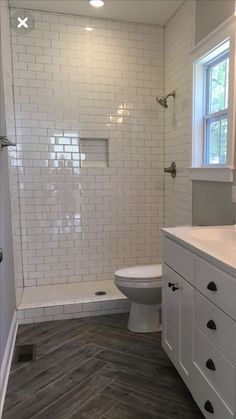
{"points": [[95, 368]]}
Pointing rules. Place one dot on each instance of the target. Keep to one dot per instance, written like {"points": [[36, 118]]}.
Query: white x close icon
{"points": [[22, 22]]}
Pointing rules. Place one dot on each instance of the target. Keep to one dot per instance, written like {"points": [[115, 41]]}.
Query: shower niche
{"points": [[83, 152], [93, 152]]}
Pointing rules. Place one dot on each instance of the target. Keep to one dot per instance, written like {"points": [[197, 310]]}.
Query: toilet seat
{"points": [[144, 284], [149, 273]]}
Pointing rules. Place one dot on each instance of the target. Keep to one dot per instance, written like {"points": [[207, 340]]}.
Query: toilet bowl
{"points": [[142, 285]]}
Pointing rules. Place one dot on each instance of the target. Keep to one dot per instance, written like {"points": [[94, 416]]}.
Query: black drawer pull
{"points": [[170, 284], [212, 286], [210, 365], [208, 407], [211, 325], [174, 288]]}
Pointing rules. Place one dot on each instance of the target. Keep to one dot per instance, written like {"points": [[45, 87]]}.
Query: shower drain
{"points": [[100, 293]]}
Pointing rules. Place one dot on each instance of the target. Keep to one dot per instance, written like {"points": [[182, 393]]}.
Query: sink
{"points": [[213, 235]]}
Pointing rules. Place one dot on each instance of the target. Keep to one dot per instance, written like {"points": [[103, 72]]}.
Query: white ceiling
{"points": [[144, 11]]}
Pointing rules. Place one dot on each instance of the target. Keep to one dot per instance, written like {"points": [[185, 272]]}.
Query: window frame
{"points": [[214, 116], [214, 45]]}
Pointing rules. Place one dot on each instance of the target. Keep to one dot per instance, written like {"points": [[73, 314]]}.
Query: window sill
{"points": [[212, 174]]}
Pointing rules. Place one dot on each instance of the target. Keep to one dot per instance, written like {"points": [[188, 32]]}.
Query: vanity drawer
{"points": [[207, 315], [207, 398], [218, 286], [179, 259], [216, 367]]}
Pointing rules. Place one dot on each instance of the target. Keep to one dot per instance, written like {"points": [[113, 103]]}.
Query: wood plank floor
{"points": [[95, 368]]}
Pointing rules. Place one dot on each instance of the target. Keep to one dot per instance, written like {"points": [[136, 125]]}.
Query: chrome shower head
{"points": [[162, 100]]}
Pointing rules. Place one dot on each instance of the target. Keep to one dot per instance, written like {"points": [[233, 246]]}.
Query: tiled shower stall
{"points": [[90, 152]]}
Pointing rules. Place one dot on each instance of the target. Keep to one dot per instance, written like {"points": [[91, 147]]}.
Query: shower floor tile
{"points": [[73, 293]]}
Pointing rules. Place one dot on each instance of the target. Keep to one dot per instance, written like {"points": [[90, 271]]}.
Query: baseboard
{"points": [[6, 362]]}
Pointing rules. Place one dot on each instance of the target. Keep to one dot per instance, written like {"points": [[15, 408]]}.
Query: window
{"points": [[216, 110], [213, 128]]}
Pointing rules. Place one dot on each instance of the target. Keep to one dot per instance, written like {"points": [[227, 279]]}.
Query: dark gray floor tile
{"points": [[95, 368]]}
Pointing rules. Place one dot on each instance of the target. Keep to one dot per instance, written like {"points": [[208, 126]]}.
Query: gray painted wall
{"points": [[7, 286], [212, 200], [210, 14], [211, 203]]}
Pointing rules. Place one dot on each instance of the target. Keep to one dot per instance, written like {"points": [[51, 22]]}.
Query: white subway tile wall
{"points": [[81, 223], [179, 41]]}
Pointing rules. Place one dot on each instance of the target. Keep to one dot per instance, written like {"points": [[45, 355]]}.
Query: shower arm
{"points": [[171, 94]]}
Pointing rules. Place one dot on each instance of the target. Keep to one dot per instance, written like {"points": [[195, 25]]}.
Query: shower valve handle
{"points": [[171, 169]]}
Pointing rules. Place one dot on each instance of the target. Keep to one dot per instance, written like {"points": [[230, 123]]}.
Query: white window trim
{"points": [[218, 37], [212, 174]]}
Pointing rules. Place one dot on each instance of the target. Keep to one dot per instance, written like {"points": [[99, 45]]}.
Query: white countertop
{"points": [[217, 242]]}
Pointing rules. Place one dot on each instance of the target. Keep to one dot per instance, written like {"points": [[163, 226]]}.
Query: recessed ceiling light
{"points": [[88, 29], [96, 3]]}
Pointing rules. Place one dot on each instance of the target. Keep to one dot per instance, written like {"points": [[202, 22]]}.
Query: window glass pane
{"points": [[223, 141], [218, 86], [216, 146]]}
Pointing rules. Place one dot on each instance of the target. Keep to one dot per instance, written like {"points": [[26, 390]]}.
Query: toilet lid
{"points": [[145, 272]]}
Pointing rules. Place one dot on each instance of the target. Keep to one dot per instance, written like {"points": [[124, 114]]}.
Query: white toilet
{"points": [[142, 285]]}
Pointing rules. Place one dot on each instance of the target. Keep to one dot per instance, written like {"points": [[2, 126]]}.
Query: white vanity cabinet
{"points": [[177, 320], [199, 326]]}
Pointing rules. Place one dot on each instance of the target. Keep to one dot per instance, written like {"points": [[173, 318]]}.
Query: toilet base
{"points": [[144, 318]]}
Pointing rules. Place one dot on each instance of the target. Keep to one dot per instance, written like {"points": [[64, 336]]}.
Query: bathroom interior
{"points": [[117, 209]]}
